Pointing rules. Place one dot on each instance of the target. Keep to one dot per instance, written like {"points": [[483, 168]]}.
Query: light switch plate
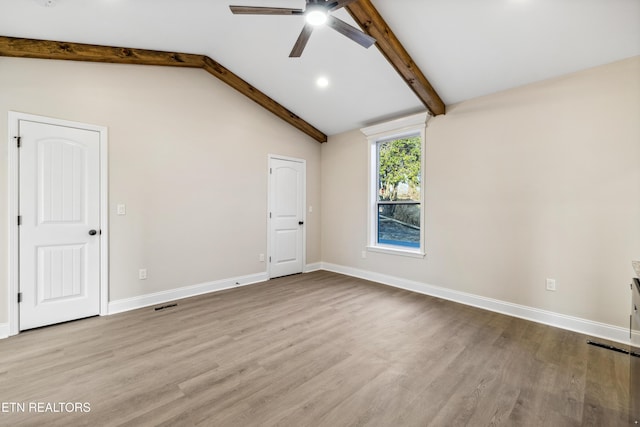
{"points": [[121, 209]]}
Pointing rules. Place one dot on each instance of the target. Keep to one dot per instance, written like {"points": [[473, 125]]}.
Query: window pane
{"points": [[399, 191], [399, 169], [399, 224]]}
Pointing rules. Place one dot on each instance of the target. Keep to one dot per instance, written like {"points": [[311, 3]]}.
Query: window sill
{"points": [[395, 251]]}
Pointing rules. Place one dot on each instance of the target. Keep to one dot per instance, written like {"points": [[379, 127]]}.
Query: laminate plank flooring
{"points": [[319, 349]]}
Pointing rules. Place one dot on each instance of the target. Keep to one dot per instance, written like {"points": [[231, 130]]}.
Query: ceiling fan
{"points": [[316, 13]]}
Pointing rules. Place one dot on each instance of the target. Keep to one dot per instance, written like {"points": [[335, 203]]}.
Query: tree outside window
{"points": [[398, 202]]}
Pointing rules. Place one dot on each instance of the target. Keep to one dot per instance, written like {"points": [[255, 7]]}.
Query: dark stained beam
{"points": [[372, 23], [46, 49], [217, 70]]}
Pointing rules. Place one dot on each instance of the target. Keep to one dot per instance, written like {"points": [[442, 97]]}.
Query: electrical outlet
{"points": [[142, 274], [261, 257], [121, 209], [551, 284]]}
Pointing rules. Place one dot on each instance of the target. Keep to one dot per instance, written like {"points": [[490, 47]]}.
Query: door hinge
{"points": [[269, 214], [19, 296], [18, 141], [269, 259], [19, 219]]}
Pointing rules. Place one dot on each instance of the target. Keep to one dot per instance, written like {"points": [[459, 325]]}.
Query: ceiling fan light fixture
{"points": [[316, 15]]}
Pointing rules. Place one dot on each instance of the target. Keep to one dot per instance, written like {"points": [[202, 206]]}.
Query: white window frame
{"points": [[407, 126]]}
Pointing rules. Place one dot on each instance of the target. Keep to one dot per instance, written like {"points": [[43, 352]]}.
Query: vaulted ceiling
{"points": [[465, 48]]}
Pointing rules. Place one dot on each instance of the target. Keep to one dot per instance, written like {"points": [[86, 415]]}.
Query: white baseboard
{"points": [[576, 324], [4, 330], [312, 267], [118, 306]]}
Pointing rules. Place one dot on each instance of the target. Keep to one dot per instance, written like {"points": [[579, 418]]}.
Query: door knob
{"points": [[92, 232], [300, 222]]}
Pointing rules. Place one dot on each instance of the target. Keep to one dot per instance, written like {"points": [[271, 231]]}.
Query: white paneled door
{"points": [[60, 223], [287, 203]]}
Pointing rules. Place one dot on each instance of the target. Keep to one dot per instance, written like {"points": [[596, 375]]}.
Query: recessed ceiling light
{"points": [[322, 82]]}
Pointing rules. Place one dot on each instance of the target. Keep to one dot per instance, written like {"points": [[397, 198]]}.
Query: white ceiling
{"points": [[466, 48]]}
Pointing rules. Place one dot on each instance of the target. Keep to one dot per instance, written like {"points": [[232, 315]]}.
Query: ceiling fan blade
{"points": [[340, 3], [301, 43], [250, 10], [353, 33]]}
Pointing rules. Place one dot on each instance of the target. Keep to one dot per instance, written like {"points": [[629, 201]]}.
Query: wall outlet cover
{"points": [[551, 284]]}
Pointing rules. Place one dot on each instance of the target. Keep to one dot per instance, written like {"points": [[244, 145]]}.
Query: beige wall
{"points": [[540, 181], [187, 155], [537, 182]]}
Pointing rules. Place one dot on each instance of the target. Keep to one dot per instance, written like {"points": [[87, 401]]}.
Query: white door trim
{"points": [[304, 209], [13, 204]]}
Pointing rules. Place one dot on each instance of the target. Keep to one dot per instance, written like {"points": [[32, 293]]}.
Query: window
{"points": [[398, 201], [396, 214]]}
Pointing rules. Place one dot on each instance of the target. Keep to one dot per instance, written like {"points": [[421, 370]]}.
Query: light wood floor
{"points": [[318, 349]]}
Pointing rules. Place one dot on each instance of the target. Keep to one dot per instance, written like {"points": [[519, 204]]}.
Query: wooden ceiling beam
{"points": [[47, 49], [372, 23], [233, 80]]}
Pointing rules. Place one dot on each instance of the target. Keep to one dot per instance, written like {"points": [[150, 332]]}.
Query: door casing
{"points": [[304, 209], [14, 119]]}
